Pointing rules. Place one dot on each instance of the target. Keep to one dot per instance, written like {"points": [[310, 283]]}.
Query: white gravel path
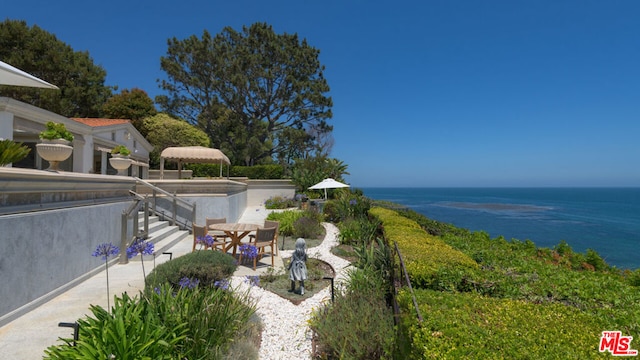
{"points": [[286, 334]]}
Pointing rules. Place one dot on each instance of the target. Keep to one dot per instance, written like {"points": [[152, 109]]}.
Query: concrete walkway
{"points": [[29, 335]]}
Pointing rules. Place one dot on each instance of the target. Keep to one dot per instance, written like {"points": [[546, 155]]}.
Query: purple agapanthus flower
{"points": [[105, 250], [140, 246], [206, 240], [185, 282], [222, 284], [353, 202], [253, 280], [249, 251]]}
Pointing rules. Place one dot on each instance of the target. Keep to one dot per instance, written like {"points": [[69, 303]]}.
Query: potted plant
{"points": [[55, 145], [120, 159], [120, 150], [55, 132]]}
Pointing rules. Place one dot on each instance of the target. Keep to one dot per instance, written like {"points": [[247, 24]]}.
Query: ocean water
{"points": [[606, 220]]}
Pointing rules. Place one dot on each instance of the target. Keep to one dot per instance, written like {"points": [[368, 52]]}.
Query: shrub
{"points": [[633, 277], [205, 265], [168, 323], [11, 152], [595, 260], [307, 227], [359, 324], [286, 219], [347, 205], [251, 172], [279, 202], [213, 317], [432, 227], [358, 231], [103, 334], [470, 326], [425, 255]]}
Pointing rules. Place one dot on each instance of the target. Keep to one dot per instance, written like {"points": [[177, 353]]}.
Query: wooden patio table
{"points": [[235, 231]]}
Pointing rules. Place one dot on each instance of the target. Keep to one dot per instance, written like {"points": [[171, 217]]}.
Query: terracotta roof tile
{"points": [[96, 122]]}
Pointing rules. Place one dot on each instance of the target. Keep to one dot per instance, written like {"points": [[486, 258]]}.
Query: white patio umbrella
{"points": [[328, 183], [10, 75]]}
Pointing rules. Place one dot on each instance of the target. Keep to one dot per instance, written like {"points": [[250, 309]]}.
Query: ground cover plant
{"points": [[279, 283], [472, 326], [559, 300]]}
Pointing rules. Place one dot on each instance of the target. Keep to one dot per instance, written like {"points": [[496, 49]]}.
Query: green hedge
{"points": [[471, 326], [251, 172], [429, 261]]}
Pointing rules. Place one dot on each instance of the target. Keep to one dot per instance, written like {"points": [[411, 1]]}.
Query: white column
{"points": [[6, 125]]}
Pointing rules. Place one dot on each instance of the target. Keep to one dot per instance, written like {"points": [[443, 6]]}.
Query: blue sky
{"points": [[426, 93]]}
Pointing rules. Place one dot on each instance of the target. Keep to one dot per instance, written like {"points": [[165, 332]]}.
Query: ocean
{"points": [[606, 220]]}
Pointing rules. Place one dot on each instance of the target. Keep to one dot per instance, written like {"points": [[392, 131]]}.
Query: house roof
{"points": [[96, 122]]}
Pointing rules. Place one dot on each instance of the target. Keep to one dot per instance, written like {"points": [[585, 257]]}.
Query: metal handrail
{"points": [[403, 269], [176, 201], [128, 214], [162, 191], [146, 201]]}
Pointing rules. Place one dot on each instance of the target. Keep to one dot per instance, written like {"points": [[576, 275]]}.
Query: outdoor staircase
{"points": [[161, 234]]}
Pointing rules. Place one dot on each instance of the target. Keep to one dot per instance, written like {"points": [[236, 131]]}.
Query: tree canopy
{"points": [[133, 104], [163, 131], [260, 96], [34, 50]]}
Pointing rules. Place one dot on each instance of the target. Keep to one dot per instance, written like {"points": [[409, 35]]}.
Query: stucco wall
{"points": [[260, 191], [218, 206], [42, 251]]}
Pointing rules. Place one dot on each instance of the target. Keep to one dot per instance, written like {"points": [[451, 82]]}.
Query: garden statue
{"points": [[298, 266]]}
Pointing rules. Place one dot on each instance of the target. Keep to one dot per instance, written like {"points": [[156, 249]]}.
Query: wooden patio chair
{"points": [[219, 236], [269, 224], [265, 237], [201, 232]]}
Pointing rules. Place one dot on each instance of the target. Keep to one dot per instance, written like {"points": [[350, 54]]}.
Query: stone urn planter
{"points": [[120, 163], [54, 151]]}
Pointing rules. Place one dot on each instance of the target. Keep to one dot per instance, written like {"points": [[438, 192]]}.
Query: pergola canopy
{"points": [[192, 154]]}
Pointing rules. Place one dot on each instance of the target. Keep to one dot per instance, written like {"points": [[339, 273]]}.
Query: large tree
{"points": [[254, 92], [133, 104], [163, 131], [34, 50]]}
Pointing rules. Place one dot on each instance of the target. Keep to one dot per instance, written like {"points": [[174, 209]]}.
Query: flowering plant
{"points": [[142, 247], [222, 284], [252, 280], [105, 250], [249, 251], [206, 240], [188, 283]]}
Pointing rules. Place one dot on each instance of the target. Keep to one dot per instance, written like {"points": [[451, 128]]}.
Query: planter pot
{"points": [[120, 163], [54, 151]]}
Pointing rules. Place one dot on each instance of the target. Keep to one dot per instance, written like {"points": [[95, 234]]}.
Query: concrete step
{"points": [[162, 235]]}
